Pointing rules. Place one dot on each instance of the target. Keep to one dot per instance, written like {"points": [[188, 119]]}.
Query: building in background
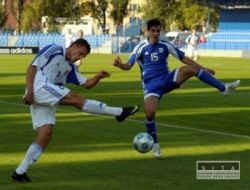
{"points": [[86, 23]]}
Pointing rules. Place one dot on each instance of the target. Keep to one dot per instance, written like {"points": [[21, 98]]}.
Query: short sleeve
{"points": [[75, 77]]}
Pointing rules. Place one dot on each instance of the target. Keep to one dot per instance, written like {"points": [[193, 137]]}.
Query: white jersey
{"points": [[192, 41], [69, 39], [52, 66]]}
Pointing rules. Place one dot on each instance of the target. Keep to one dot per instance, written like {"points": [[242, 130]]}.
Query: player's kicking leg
{"points": [[225, 88], [96, 107]]}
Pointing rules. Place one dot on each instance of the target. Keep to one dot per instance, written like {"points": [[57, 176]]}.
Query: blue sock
{"points": [[151, 129], [210, 80]]}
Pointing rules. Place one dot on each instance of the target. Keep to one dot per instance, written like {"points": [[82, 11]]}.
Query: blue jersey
{"points": [[152, 58]]}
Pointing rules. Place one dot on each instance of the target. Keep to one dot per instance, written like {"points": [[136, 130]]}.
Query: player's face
{"points": [[154, 34], [76, 53]]}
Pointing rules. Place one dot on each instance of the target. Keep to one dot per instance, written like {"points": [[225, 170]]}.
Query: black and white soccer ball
{"points": [[143, 142]]}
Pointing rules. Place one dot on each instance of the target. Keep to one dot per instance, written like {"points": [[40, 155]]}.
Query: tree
{"points": [[32, 15], [61, 8], [160, 9], [17, 9], [97, 9], [2, 14], [184, 14], [70, 9], [119, 11], [195, 14]]}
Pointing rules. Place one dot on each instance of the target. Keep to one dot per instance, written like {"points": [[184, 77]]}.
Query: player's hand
{"points": [[117, 61], [28, 98], [103, 74]]}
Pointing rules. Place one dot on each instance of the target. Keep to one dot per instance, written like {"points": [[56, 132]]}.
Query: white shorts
{"points": [[46, 99], [193, 52]]}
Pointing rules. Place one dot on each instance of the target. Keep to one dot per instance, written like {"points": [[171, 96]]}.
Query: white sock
{"points": [[96, 107], [32, 155]]}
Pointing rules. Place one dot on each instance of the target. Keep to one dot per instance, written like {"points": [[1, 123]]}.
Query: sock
{"points": [[96, 107], [209, 79], [32, 155], [151, 129]]}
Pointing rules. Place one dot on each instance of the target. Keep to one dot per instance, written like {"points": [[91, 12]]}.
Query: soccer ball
{"points": [[143, 142]]}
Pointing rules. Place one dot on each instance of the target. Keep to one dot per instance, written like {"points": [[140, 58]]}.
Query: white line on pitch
{"points": [[159, 124]]}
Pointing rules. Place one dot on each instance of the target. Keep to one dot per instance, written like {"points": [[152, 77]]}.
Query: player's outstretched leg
{"points": [[226, 88], [96, 107]]}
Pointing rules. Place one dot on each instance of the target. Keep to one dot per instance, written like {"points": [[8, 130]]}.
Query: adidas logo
{"points": [[146, 53]]}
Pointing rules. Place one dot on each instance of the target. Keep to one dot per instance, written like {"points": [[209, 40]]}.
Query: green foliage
{"points": [[119, 11], [54, 28], [181, 14], [2, 15], [161, 9], [61, 8], [31, 16], [193, 14], [97, 9]]}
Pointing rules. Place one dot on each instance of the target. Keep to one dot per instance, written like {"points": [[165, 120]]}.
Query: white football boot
{"points": [[230, 87], [156, 150]]}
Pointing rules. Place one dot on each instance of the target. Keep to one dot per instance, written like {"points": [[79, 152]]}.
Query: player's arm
{"points": [[91, 82], [192, 63], [30, 76], [123, 66]]}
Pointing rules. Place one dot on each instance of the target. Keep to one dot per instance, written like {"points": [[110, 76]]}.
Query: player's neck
{"points": [[153, 41]]}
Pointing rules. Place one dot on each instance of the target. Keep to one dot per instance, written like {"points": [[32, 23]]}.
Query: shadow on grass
{"points": [[175, 173], [89, 134]]}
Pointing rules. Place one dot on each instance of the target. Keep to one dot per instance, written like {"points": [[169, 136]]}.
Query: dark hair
{"points": [[82, 42], [153, 22]]}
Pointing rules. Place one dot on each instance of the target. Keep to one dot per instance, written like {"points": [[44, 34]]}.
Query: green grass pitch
{"points": [[95, 153]]}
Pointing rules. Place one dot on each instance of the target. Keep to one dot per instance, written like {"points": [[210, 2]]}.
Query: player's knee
{"points": [[77, 100], [190, 71], [73, 99], [46, 133]]}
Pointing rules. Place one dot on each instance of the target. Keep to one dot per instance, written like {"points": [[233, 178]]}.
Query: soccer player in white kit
{"points": [[51, 68], [69, 38], [193, 42]]}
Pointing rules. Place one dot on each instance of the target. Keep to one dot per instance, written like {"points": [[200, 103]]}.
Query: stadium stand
{"points": [[40, 40], [234, 27], [4, 39]]}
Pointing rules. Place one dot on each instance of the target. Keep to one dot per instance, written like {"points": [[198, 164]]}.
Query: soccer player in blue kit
{"points": [[151, 55], [46, 75]]}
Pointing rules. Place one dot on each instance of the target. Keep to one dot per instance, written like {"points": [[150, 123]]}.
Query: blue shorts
{"points": [[160, 85]]}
